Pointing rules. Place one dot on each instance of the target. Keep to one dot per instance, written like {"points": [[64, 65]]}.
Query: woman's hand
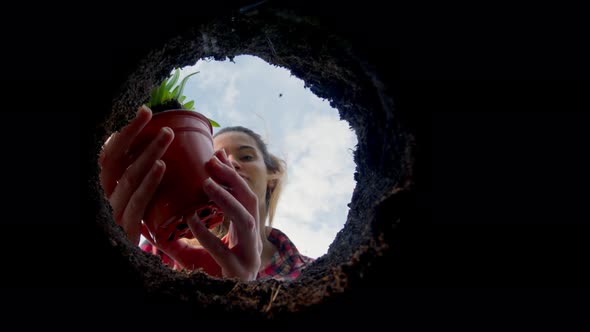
{"points": [[130, 181], [238, 253]]}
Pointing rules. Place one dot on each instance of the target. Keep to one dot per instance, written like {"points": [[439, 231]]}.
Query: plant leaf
{"points": [[154, 96], [214, 124], [174, 93], [181, 85], [173, 79], [189, 106], [159, 93], [165, 96]]}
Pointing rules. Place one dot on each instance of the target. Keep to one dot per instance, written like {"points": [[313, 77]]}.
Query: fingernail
{"points": [[216, 160], [195, 224], [159, 165], [166, 131], [195, 217], [208, 182], [223, 154], [144, 108]]}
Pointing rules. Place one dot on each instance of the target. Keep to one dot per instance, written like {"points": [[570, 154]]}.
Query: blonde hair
{"points": [[273, 195]]}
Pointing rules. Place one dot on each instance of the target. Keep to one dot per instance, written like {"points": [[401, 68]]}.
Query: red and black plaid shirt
{"points": [[286, 264]]}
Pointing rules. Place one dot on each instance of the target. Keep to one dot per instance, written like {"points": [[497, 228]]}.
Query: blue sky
{"points": [[298, 127]]}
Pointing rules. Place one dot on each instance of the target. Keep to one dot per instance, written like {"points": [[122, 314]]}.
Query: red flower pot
{"points": [[181, 190]]}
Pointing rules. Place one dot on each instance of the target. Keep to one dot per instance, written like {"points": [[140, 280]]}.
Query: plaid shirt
{"points": [[286, 264]]}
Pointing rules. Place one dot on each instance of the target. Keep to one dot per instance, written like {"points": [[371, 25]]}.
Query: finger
{"points": [[135, 174], [104, 148], [244, 219], [205, 237], [175, 249], [216, 248], [114, 160], [147, 234], [190, 255], [226, 176], [129, 207], [129, 132], [222, 156]]}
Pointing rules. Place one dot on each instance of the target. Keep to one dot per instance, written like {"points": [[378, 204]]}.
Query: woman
{"points": [[245, 183]]}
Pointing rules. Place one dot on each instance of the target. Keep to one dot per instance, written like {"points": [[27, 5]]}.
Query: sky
{"points": [[298, 127]]}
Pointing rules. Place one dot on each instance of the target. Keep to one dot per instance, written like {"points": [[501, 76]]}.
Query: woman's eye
{"points": [[247, 158]]}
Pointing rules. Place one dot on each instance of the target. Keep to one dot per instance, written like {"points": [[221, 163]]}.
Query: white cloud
{"points": [[313, 207]]}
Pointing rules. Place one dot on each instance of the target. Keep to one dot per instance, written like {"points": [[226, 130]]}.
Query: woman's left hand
{"points": [[238, 254]]}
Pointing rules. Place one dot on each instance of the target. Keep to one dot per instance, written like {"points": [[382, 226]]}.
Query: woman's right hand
{"points": [[130, 181], [237, 254]]}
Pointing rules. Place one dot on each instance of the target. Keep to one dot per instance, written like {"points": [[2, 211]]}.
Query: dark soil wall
{"points": [[466, 210]]}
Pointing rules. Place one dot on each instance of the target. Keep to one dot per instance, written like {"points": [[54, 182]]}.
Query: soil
{"points": [[452, 220], [335, 64], [172, 104]]}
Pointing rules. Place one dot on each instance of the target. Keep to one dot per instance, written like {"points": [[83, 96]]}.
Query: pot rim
{"points": [[185, 112]]}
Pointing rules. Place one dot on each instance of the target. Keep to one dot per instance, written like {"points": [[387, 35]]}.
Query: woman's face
{"points": [[244, 154]]}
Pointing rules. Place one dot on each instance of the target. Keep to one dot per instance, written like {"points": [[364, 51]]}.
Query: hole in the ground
{"points": [[298, 127], [332, 69]]}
